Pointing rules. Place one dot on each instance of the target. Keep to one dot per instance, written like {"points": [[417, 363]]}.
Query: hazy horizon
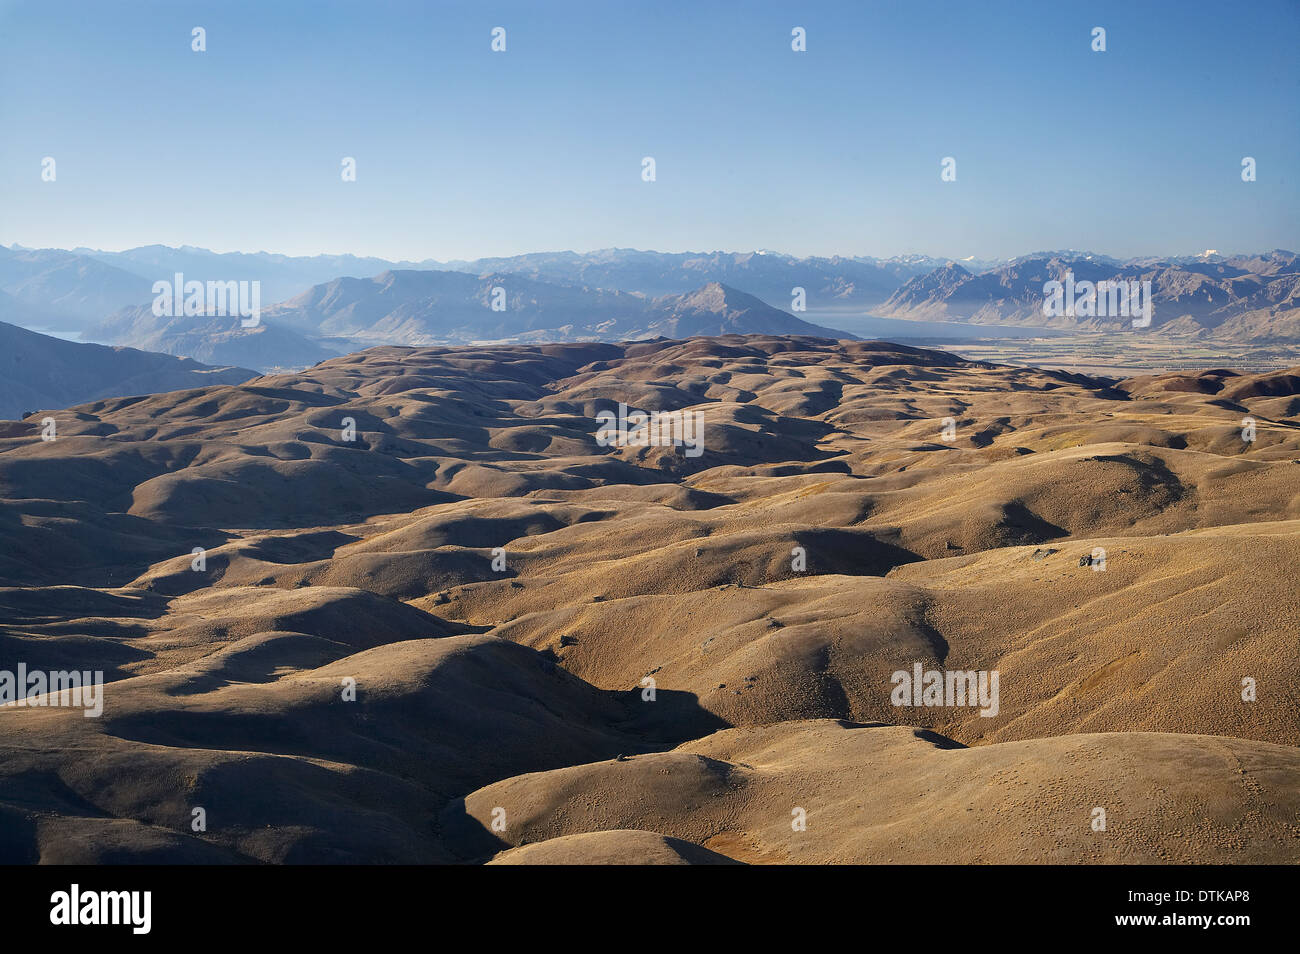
{"points": [[1225, 253]]}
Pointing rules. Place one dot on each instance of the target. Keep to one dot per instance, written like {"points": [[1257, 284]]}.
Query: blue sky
{"points": [[462, 152]]}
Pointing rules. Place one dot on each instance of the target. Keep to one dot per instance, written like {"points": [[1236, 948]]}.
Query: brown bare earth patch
{"points": [[829, 535]]}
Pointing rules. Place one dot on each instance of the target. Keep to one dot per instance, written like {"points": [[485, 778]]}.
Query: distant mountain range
{"points": [[42, 373], [62, 290], [332, 304], [437, 307], [827, 282], [282, 276], [217, 339], [769, 275], [411, 307], [1242, 298]]}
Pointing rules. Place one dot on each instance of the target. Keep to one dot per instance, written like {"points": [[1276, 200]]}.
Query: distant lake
{"points": [[64, 335], [897, 329]]}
